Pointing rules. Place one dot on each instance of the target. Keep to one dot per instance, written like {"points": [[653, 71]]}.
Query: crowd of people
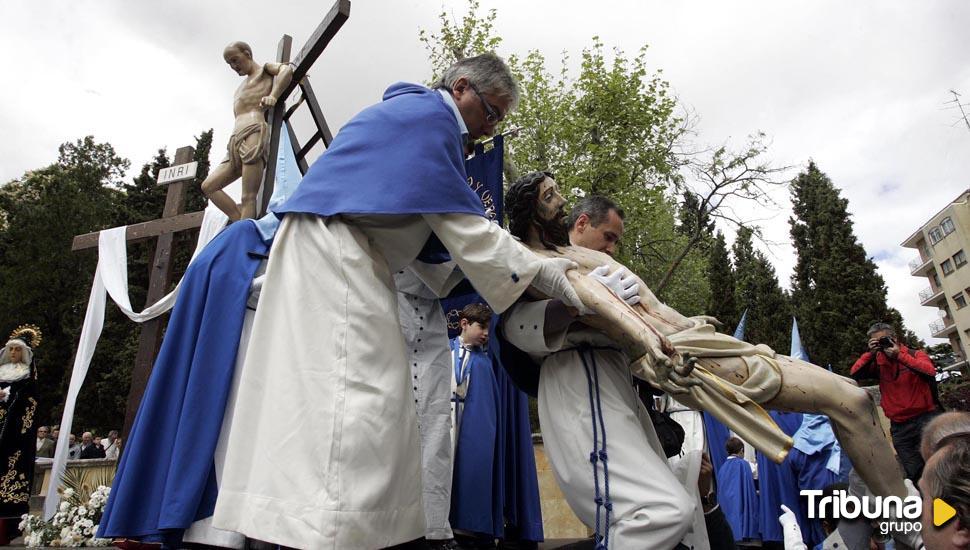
{"points": [[90, 446]]}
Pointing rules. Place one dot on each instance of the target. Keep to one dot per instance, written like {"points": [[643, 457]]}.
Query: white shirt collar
{"points": [[450, 101]]}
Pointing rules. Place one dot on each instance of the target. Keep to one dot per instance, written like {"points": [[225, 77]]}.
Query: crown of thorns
{"points": [[28, 333]]}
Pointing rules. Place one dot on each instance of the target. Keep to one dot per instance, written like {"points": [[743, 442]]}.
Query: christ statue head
{"points": [[536, 210], [239, 56]]}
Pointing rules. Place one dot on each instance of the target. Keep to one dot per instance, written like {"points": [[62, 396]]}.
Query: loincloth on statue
{"points": [[751, 369], [248, 145], [736, 403]]}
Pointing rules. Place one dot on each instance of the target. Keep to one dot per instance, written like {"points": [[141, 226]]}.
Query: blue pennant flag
{"points": [[739, 332], [797, 351]]}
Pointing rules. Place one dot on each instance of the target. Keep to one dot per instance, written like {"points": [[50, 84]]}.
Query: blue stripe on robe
{"points": [[778, 484], [166, 476], [476, 497], [738, 499]]}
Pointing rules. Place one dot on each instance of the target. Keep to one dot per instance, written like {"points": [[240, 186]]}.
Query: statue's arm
{"points": [[282, 74]]}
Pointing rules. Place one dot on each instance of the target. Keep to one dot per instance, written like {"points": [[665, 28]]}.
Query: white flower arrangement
{"points": [[74, 524]]}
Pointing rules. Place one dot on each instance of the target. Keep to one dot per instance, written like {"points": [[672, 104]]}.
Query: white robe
{"points": [[651, 509], [325, 378], [426, 336]]}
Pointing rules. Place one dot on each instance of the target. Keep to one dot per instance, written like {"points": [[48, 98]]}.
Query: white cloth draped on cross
{"points": [[110, 279]]}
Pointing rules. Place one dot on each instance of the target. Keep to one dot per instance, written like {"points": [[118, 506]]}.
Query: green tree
{"points": [[41, 280], [836, 290], [757, 290], [609, 129], [715, 184], [720, 277]]}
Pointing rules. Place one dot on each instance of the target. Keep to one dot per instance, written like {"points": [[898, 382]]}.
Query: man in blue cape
{"points": [[327, 356], [737, 495]]}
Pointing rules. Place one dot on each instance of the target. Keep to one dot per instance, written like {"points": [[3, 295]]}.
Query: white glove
{"points": [[621, 282], [551, 281], [790, 530], [4, 394]]}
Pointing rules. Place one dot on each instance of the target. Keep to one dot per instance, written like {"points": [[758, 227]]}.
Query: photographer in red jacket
{"points": [[907, 381]]}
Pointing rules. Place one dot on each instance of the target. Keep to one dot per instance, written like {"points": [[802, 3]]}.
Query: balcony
{"points": [[919, 267], [941, 328], [929, 297]]}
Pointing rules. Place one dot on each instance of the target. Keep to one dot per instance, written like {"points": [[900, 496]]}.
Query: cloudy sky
{"points": [[860, 87]]}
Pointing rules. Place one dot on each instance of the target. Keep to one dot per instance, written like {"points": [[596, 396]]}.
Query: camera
{"points": [[884, 343]]}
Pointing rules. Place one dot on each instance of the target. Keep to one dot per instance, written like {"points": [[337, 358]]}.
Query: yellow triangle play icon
{"points": [[942, 512]]}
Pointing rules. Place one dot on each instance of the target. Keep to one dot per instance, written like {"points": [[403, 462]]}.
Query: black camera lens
{"points": [[885, 342]]}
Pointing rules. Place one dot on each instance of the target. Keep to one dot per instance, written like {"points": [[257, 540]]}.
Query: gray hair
{"points": [[487, 72], [597, 207], [949, 477], [943, 426], [879, 327]]}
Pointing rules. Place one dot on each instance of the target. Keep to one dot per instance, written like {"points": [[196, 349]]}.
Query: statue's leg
{"points": [[212, 187], [855, 420], [252, 178]]}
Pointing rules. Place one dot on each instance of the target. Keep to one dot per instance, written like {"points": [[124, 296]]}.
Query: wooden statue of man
{"points": [[249, 144], [656, 337]]}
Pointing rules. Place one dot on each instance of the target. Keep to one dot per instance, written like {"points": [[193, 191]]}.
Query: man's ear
{"points": [[582, 223], [961, 536], [459, 87], [463, 324]]}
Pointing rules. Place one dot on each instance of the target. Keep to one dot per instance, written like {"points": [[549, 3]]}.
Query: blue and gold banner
{"points": [[485, 179]]}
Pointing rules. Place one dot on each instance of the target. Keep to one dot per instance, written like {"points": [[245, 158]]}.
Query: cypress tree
{"points": [[757, 289], [720, 276], [836, 291]]}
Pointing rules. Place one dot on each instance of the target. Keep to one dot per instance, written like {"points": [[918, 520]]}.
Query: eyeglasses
{"points": [[492, 115]]}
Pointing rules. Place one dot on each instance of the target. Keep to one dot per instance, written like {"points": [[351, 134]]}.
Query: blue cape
{"points": [[166, 476], [738, 498], [778, 484], [476, 489], [517, 458], [816, 436], [404, 155], [717, 435]]}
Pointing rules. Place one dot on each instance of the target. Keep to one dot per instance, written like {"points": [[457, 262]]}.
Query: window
{"points": [[960, 259], [936, 235], [947, 226], [959, 300], [947, 267], [936, 280]]}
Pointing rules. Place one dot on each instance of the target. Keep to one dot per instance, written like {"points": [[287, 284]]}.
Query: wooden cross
{"points": [[174, 218]]}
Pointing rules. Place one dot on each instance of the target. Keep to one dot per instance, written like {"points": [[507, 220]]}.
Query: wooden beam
{"points": [[159, 280], [276, 127], [315, 45], [145, 230], [315, 112], [301, 162]]}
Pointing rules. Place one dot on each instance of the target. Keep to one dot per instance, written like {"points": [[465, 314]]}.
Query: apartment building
{"points": [[943, 243]]}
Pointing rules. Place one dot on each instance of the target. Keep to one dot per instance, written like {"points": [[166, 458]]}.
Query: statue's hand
{"points": [[674, 373], [267, 102]]}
